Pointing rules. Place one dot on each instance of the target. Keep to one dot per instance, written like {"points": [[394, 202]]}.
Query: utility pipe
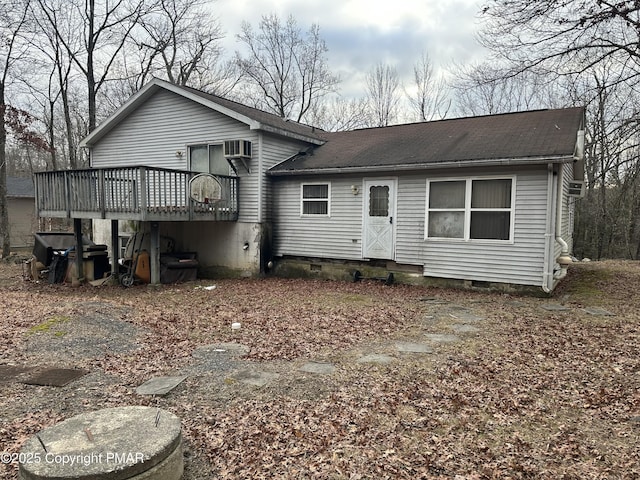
{"points": [[564, 259], [547, 275]]}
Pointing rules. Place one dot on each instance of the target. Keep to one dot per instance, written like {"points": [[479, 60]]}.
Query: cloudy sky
{"points": [[361, 33]]}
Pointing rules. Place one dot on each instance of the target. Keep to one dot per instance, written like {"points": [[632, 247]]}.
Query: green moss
{"points": [[585, 282], [47, 325]]}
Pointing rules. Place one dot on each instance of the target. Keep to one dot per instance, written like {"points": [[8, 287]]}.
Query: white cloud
{"points": [[361, 33]]}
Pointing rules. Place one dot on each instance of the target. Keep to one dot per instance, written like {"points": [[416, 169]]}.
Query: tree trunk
{"points": [[91, 79], [5, 228], [52, 137]]}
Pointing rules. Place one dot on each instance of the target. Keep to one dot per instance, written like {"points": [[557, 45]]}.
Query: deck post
{"points": [[77, 229], [155, 253], [115, 253]]}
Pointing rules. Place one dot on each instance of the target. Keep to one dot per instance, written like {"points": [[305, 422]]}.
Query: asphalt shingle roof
{"points": [[261, 116], [20, 187], [531, 135]]}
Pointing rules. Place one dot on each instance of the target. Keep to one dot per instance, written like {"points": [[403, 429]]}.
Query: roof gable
{"points": [[522, 137], [255, 119]]}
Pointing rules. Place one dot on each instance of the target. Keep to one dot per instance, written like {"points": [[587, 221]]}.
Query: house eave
{"points": [[427, 166], [155, 85], [284, 133]]}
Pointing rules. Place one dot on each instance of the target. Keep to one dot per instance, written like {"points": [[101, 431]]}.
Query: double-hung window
{"points": [[315, 199], [470, 209]]}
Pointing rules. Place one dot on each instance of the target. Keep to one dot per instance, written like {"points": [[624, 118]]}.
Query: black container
{"points": [[46, 243]]}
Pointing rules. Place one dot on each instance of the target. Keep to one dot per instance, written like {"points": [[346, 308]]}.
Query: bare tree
{"points": [[593, 45], [430, 99], [54, 59], [180, 41], [383, 94], [485, 89], [13, 18], [339, 114], [563, 36], [93, 33], [287, 69]]}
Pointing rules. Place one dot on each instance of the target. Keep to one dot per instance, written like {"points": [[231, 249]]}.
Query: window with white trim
{"points": [[470, 209], [315, 199], [208, 159]]}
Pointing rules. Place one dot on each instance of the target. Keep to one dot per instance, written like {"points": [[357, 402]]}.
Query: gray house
{"points": [[482, 200]]}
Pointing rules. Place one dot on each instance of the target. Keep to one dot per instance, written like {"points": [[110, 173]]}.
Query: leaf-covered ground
{"points": [[531, 394]]}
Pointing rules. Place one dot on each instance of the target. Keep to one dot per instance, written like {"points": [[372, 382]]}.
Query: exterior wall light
{"points": [[354, 189]]}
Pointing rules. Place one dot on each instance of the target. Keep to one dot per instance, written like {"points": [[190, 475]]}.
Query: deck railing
{"points": [[130, 193]]}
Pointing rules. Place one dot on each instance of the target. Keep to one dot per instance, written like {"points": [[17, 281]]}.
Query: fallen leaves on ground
{"points": [[534, 394]]}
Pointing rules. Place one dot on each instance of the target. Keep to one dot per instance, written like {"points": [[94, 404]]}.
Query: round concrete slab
{"points": [[132, 443]]}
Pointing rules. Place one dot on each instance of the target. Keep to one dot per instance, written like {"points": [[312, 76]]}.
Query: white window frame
{"points": [[467, 210], [208, 145], [327, 200]]}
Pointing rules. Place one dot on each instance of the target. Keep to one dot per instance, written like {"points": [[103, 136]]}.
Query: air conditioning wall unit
{"points": [[576, 189], [237, 148]]}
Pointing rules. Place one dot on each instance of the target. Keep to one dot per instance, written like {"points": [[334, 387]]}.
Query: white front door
{"points": [[378, 222]]}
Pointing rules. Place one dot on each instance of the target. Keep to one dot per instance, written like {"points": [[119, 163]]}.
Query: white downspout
{"points": [[547, 275], [564, 260]]}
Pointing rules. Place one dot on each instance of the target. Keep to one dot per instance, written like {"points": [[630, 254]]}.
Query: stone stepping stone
{"points": [[410, 347], [160, 385], [599, 312], [133, 442], [442, 337], [466, 316], [376, 358], [207, 352], [322, 368], [256, 378], [464, 328], [554, 307]]}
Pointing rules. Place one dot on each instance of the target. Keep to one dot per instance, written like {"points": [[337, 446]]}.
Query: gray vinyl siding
{"points": [[410, 217], [339, 236], [521, 262], [274, 150], [167, 123], [335, 236]]}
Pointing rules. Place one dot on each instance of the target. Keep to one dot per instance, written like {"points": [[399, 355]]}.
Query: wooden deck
{"points": [[130, 193]]}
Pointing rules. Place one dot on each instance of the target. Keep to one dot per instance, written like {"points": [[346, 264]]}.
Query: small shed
{"points": [[22, 212]]}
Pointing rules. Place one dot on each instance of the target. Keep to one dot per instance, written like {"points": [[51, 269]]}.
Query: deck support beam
{"points": [[115, 250], [77, 230], [155, 253]]}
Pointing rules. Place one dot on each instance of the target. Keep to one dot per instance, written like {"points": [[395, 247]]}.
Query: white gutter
{"points": [[260, 167], [564, 259], [547, 275], [495, 162]]}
